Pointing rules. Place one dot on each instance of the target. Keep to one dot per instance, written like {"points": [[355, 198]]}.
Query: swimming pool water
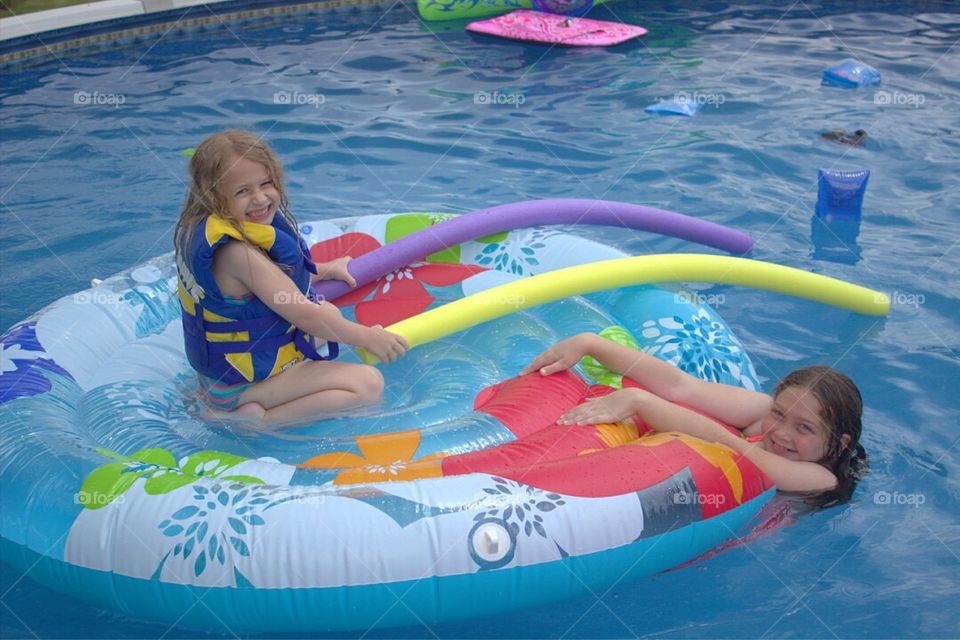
{"points": [[373, 111]]}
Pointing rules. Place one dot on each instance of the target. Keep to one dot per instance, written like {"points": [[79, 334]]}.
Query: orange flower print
{"points": [[383, 458]]}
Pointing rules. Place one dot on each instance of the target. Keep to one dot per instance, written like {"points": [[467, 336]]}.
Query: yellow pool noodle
{"points": [[624, 272]]}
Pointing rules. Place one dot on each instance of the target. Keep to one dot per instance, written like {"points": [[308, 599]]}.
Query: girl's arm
{"points": [[661, 415], [246, 265], [734, 405]]}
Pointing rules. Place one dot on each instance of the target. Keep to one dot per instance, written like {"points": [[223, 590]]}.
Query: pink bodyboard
{"points": [[550, 28]]}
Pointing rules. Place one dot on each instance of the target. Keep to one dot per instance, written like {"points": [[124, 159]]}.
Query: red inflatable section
{"points": [[598, 460], [512, 400]]}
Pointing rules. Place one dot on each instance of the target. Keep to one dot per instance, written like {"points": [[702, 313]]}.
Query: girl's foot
{"points": [[249, 412]]}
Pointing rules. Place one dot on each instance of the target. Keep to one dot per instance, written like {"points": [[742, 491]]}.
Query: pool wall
{"points": [[50, 32]]}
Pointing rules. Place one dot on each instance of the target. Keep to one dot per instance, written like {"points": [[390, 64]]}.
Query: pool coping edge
{"points": [[132, 18]]}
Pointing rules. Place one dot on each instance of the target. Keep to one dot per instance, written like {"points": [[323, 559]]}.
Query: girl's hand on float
{"points": [[386, 346], [336, 270], [613, 407], [559, 357]]}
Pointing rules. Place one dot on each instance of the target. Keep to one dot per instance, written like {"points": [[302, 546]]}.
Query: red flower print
{"points": [[396, 296]]}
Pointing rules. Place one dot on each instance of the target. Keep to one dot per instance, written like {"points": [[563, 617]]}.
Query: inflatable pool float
{"points": [[548, 28], [457, 498]]}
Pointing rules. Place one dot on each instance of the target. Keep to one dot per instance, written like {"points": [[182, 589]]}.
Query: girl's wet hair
{"points": [[841, 408], [210, 162]]}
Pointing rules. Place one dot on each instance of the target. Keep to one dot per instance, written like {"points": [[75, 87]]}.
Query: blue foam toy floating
{"points": [[677, 106], [840, 193], [851, 74]]}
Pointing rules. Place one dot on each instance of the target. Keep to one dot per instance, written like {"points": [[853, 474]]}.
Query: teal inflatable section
{"points": [[430, 600]]}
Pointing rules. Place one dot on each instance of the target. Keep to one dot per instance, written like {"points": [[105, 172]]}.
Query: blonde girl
{"points": [[262, 347]]}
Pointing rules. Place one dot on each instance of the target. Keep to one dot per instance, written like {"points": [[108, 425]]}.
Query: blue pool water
{"points": [[372, 111]]}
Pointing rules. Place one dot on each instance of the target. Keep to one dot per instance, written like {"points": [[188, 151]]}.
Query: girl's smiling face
{"points": [[794, 429], [249, 192]]}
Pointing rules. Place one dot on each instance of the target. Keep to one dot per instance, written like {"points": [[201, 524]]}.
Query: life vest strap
{"points": [[268, 343], [307, 348], [243, 324], [249, 346]]}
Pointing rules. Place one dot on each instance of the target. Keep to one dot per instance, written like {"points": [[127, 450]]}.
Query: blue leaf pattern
{"points": [[238, 526], [240, 546], [184, 513], [701, 346], [515, 254], [521, 506], [223, 540]]}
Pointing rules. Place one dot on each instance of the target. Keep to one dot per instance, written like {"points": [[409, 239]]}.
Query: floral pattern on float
{"points": [[155, 294], [33, 349], [23, 363], [190, 525], [700, 345], [520, 505], [679, 327], [515, 255], [512, 508]]}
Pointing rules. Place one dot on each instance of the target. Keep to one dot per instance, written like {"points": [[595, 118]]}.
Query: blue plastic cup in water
{"points": [[851, 73], [840, 193]]}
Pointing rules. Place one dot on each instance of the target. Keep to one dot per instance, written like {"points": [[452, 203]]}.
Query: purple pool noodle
{"points": [[397, 254]]}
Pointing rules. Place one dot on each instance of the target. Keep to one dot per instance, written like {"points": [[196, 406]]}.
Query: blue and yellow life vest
{"points": [[235, 342]]}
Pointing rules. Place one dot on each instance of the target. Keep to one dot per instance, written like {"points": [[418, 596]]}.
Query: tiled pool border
{"points": [[41, 34]]}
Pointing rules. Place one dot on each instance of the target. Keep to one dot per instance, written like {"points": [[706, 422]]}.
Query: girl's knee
{"points": [[369, 384]]}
